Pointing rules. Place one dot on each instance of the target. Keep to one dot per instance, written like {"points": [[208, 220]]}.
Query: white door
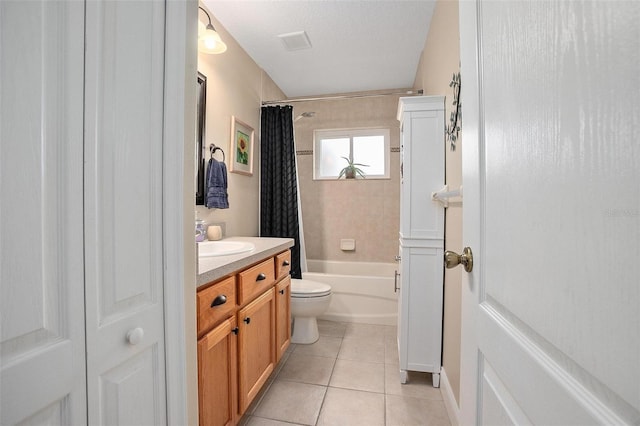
{"points": [[42, 368], [123, 212], [551, 145]]}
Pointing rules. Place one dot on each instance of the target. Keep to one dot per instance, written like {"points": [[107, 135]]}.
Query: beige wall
{"points": [[440, 59], [365, 210], [236, 86]]}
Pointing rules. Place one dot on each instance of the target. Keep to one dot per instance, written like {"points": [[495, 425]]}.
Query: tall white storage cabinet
{"points": [[421, 236]]}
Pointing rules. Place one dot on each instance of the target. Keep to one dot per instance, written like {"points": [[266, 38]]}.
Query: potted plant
{"points": [[350, 171]]}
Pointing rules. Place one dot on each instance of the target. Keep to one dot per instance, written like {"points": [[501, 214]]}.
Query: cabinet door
{"points": [[256, 341], [420, 311], [217, 379], [283, 316]]}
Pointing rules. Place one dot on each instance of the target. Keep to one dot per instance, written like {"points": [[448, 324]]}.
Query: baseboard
{"points": [[449, 400]]}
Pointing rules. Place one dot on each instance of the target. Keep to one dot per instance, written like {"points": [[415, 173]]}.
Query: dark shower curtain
{"points": [[278, 187]]}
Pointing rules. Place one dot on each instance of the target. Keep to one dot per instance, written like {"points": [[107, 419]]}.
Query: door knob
{"points": [[135, 335], [453, 259]]}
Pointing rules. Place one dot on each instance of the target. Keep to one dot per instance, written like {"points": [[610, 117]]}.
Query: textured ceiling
{"points": [[356, 45]]}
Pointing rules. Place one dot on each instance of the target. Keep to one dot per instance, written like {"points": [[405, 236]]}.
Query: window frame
{"points": [[350, 133]]}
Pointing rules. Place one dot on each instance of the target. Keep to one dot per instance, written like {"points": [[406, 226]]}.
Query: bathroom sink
{"points": [[223, 248]]}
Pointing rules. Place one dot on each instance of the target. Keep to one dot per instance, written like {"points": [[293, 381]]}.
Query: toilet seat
{"points": [[309, 289]]}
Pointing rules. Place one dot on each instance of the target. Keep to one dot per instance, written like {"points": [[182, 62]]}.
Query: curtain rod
{"points": [[331, 98]]}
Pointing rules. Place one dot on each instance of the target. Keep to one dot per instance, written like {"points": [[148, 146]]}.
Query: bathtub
{"points": [[362, 292]]}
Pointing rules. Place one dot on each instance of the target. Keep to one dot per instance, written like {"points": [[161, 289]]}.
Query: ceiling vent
{"points": [[295, 41]]}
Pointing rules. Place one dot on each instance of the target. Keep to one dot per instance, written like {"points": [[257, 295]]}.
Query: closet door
{"points": [[123, 212], [42, 367]]}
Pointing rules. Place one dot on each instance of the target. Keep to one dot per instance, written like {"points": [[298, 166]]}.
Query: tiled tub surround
{"points": [[349, 377]]}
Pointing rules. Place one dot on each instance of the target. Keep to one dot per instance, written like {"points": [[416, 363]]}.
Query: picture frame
{"points": [[242, 136]]}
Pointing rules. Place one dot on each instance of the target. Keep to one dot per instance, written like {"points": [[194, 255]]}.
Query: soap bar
{"points": [[347, 244]]}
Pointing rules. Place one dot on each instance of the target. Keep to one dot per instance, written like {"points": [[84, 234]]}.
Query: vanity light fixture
{"points": [[209, 40]]}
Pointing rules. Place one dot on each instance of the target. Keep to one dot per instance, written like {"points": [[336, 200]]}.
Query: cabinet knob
{"points": [[261, 277], [285, 263], [135, 335], [220, 300], [281, 291], [247, 320], [235, 331]]}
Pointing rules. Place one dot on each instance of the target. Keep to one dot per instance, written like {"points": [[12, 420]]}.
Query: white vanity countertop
{"points": [[214, 268]]}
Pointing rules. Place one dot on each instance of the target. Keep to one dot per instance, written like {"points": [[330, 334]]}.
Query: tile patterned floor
{"points": [[349, 377]]}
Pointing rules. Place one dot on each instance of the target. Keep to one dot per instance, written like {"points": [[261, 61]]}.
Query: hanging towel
{"points": [[217, 196]]}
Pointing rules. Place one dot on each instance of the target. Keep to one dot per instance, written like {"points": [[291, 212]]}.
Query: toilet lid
{"points": [[308, 288]]}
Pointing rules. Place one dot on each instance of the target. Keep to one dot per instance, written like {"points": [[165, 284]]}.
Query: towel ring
{"points": [[213, 148]]}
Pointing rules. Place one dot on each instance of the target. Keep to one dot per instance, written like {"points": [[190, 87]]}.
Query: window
{"points": [[364, 146]]}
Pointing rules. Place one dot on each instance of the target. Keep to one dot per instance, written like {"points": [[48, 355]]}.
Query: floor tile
{"points": [[292, 402], [331, 328], [391, 352], [260, 421], [281, 363], [325, 346], [370, 331], [419, 385], [365, 376], [362, 349], [364, 386], [407, 411], [350, 407], [307, 369], [391, 331], [265, 389]]}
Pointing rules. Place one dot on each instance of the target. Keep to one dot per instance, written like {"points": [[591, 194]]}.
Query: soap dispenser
{"points": [[200, 229]]}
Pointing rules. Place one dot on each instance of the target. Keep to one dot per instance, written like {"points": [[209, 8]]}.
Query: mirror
{"points": [[201, 95]]}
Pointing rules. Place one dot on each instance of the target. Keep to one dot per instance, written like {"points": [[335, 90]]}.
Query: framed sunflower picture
{"points": [[241, 147]]}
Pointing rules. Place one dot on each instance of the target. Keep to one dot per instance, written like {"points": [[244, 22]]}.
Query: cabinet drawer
{"points": [[216, 303], [255, 280], [283, 264]]}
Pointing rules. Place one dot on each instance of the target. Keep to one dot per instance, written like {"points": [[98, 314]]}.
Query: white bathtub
{"points": [[362, 292]]}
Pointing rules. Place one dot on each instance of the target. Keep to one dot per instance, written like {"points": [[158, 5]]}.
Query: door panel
{"points": [[41, 274], [549, 333], [123, 210], [132, 387]]}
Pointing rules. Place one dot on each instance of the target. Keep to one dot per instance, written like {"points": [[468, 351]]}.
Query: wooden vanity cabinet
{"points": [[244, 327]]}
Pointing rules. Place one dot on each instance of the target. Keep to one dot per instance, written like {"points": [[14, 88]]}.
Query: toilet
{"points": [[308, 300]]}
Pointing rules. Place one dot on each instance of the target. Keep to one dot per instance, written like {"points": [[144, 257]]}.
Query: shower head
{"points": [[305, 114]]}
